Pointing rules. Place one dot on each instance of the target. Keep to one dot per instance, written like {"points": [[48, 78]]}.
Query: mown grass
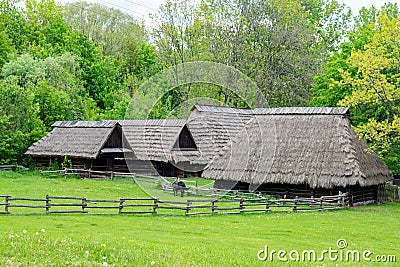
{"points": [[154, 240]]}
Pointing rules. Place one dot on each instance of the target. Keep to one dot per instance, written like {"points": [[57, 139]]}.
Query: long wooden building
{"points": [[96, 145], [283, 152], [290, 152], [137, 146]]}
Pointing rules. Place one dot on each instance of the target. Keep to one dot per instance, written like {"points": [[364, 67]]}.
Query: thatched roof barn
{"points": [[153, 140], [303, 147], [88, 144], [76, 139], [146, 144]]}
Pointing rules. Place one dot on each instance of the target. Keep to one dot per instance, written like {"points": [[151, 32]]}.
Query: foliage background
{"points": [[83, 61]]}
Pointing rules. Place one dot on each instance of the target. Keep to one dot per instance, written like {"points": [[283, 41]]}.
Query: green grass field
{"points": [[206, 240]]}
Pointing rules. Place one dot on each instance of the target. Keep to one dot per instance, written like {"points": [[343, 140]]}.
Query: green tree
{"points": [[375, 90], [54, 83], [20, 124], [272, 42]]}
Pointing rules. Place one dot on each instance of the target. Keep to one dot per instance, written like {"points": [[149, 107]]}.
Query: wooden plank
{"points": [[101, 207], [227, 200], [254, 204], [62, 197], [171, 202], [68, 211], [149, 199], [226, 208], [26, 199], [200, 206], [200, 200], [25, 206], [137, 205], [171, 207], [64, 205], [101, 201]]}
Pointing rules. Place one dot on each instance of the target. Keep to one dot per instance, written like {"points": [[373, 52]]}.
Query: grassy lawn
{"points": [[155, 240]]}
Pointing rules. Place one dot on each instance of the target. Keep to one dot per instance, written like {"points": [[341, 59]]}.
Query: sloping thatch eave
{"points": [[318, 150], [75, 142]]}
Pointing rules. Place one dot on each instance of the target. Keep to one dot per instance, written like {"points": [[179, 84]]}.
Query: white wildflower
{"points": [[105, 264]]}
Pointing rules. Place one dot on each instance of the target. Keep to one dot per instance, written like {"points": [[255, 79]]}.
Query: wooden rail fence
{"points": [[68, 204], [389, 193]]}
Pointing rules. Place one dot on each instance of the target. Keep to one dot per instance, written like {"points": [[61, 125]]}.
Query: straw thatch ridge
{"points": [[149, 139], [212, 128], [318, 150], [152, 139], [76, 139]]}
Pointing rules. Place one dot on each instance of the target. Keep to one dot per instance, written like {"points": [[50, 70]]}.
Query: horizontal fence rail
{"points": [[70, 204]]}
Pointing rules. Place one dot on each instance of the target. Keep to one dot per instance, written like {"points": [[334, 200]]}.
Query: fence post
{"points": [[155, 206], [112, 175], [267, 205], [121, 205], [342, 200], [213, 206], [47, 204], [295, 204], [187, 207], [241, 205], [7, 203], [65, 173], [83, 204], [320, 204]]}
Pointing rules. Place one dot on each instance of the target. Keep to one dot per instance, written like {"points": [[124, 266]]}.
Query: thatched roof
{"points": [[212, 128], [152, 139], [149, 139], [77, 139], [310, 146]]}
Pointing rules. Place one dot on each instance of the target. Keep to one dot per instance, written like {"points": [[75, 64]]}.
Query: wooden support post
{"points": [[267, 205], [112, 175], [241, 205], [320, 203], [7, 203], [47, 204], [155, 206], [295, 204], [213, 206], [65, 173], [121, 205], [83, 204], [187, 207]]}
